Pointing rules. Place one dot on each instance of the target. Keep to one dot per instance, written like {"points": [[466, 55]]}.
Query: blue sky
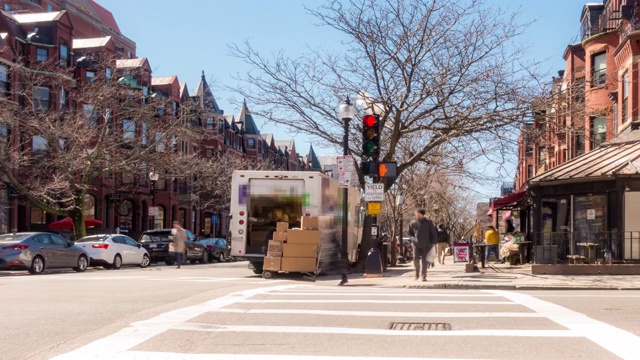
{"points": [[187, 36]]}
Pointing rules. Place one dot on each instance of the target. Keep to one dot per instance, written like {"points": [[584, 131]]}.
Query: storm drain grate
{"points": [[420, 326]]}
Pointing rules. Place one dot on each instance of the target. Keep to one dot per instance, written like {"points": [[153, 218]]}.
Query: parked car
{"points": [[37, 251], [156, 242], [114, 250], [218, 248]]}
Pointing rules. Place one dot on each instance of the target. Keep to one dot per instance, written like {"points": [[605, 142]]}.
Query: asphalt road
{"points": [[223, 311]]}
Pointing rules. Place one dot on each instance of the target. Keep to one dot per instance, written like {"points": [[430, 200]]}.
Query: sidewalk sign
{"points": [[460, 252]]}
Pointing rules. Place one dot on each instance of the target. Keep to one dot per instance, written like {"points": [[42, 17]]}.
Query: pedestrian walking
{"points": [[491, 238], [423, 236], [179, 236], [443, 242]]}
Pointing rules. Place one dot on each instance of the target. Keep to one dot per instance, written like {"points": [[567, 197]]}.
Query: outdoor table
{"points": [[522, 247], [481, 248], [589, 249]]}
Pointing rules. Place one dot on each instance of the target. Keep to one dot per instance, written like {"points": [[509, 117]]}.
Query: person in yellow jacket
{"points": [[492, 239]]}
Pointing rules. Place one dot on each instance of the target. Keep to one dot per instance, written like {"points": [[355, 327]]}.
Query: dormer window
{"points": [[251, 143], [64, 55], [89, 77]]}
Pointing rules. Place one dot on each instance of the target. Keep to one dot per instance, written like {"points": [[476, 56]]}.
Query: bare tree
{"points": [[67, 137], [440, 72]]}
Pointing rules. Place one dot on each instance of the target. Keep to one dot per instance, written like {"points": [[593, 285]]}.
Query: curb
{"points": [[508, 287]]}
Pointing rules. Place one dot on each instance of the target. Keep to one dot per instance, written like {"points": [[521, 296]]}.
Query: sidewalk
{"points": [[494, 276]]}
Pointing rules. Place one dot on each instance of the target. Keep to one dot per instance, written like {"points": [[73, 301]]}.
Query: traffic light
{"points": [[370, 136]]}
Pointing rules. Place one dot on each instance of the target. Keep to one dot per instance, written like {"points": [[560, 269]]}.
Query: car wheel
{"points": [[221, 257], [117, 262], [145, 261], [37, 265], [205, 257], [170, 262], [82, 264]]}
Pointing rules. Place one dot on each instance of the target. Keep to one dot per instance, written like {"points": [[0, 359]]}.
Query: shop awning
{"points": [[508, 202]]}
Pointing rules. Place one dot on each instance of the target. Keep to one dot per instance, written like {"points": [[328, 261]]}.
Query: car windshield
{"points": [[155, 236], [13, 237], [94, 238]]}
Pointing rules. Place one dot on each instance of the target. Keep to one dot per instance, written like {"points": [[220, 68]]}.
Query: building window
{"points": [[64, 55], [90, 115], [41, 54], [598, 131], [209, 153], [144, 133], [542, 156], [128, 129], [159, 218], [528, 150], [221, 127], [49, 8], [4, 80], [62, 99], [210, 123], [161, 145], [40, 99], [145, 93], [615, 119], [89, 77], [39, 146], [108, 73], [529, 171], [579, 144], [174, 108], [625, 96], [251, 143], [599, 69]]}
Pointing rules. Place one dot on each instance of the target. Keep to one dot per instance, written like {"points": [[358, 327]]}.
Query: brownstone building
{"points": [[74, 32]]}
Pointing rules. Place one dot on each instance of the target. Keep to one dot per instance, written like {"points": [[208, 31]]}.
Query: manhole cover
{"points": [[419, 326]]}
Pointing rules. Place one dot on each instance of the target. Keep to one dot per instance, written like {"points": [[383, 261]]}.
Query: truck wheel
{"points": [[267, 274]]}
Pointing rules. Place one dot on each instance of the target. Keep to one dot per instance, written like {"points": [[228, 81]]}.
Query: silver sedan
{"points": [[37, 251]]}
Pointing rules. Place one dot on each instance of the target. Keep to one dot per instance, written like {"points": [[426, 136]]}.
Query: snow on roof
{"points": [[130, 63], [163, 80], [31, 18], [90, 43]]}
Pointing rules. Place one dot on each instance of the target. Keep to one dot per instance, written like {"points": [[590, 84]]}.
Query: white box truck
{"points": [[261, 198]]}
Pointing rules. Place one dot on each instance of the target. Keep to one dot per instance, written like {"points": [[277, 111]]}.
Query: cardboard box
{"points": [[272, 263], [274, 249], [282, 226], [280, 236], [300, 250], [309, 223], [304, 237], [298, 264]]}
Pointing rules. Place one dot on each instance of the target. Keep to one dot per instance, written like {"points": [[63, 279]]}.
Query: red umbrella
{"points": [[67, 224]]}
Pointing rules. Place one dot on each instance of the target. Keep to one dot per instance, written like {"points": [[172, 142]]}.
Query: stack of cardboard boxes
{"points": [[294, 250]]}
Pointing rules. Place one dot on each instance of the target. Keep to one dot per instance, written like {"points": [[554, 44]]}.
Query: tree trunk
{"points": [[79, 229]]}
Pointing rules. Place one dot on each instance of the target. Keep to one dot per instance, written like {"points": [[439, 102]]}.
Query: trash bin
{"points": [[546, 254]]}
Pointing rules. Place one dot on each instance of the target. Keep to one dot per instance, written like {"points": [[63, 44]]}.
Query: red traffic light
{"points": [[369, 120]]}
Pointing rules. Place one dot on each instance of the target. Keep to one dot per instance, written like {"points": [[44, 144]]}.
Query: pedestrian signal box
{"points": [[388, 170]]}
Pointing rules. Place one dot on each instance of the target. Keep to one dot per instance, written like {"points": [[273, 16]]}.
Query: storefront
{"points": [[582, 208]]}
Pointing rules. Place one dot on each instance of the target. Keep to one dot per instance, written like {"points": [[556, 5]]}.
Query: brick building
{"points": [[70, 31]]}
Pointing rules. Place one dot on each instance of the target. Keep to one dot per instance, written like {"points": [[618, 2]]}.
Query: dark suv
{"points": [[156, 242]]}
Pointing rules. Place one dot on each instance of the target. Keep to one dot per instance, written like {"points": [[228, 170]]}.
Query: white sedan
{"points": [[114, 250]]}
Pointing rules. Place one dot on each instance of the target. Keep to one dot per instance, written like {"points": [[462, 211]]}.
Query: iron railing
{"points": [[622, 245]]}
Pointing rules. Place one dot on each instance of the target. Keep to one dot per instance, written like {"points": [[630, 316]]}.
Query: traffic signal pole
{"points": [[345, 193]]}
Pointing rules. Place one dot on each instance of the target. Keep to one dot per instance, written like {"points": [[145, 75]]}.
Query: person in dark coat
{"points": [[424, 236], [443, 242]]}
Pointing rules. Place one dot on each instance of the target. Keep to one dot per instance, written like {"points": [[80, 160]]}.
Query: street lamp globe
{"points": [[153, 176], [347, 110]]}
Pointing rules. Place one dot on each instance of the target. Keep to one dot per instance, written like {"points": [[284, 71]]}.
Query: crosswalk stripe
{"points": [[385, 313], [362, 331], [369, 301], [150, 355], [617, 341], [396, 294]]}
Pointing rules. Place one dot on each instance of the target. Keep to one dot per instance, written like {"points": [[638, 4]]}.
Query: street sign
{"points": [[374, 192], [374, 208], [344, 179], [214, 219], [345, 163], [374, 230]]}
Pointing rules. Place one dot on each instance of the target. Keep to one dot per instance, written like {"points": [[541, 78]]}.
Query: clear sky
{"points": [[184, 37]]}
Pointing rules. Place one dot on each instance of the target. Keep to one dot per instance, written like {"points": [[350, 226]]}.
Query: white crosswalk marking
{"points": [[291, 312]]}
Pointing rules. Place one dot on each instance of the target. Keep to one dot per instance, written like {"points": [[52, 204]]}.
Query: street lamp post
{"points": [[153, 177], [347, 111]]}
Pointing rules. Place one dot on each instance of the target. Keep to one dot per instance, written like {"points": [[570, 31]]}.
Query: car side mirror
{"points": [[139, 246], [70, 243]]}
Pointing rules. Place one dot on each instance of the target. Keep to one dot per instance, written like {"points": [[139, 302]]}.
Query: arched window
{"points": [[159, 218], [89, 206], [126, 216]]}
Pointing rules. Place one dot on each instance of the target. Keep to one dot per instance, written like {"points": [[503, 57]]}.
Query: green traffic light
{"points": [[368, 147]]}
